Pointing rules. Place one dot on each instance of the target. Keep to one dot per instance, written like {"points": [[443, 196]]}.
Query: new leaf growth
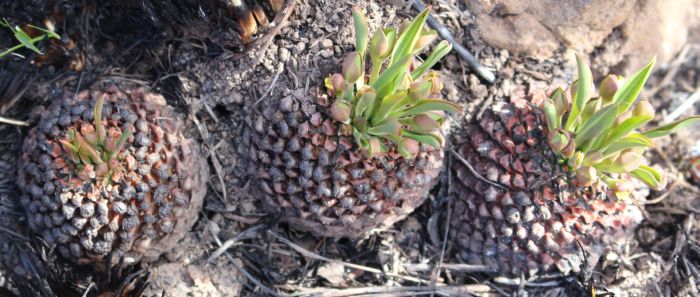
{"points": [[399, 102], [598, 137], [94, 151]]}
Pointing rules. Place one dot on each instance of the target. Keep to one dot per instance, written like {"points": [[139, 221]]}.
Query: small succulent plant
{"points": [[95, 152], [539, 186], [398, 102], [364, 154], [600, 139], [107, 175]]}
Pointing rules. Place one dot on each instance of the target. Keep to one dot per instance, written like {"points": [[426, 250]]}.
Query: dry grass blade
{"points": [[466, 290], [469, 166], [13, 233], [240, 268], [8, 121], [674, 66], [247, 234], [685, 106], [212, 153], [469, 268], [531, 283], [312, 255]]}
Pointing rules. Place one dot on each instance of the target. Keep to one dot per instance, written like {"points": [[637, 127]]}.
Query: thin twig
{"points": [[9, 121], [272, 85], [18, 87], [527, 283], [469, 166], [242, 270], [211, 112], [463, 53], [687, 104], [469, 268], [309, 254], [465, 290], [13, 233], [674, 66], [212, 154], [246, 234], [87, 290], [436, 272]]}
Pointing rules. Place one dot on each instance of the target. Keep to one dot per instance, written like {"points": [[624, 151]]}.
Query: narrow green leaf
{"points": [[649, 176], [99, 129], [423, 123], [387, 105], [591, 107], [120, 144], [360, 124], [672, 127], [629, 91], [49, 33], [597, 124], [361, 31], [441, 50], [27, 41], [386, 83], [629, 141], [427, 37], [390, 34], [428, 105], [375, 146], [626, 161], [429, 139], [583, 92], [407, 39], [68, 146], [551, 112], [361, 37], [390, 126], [88, 152], [623, 129], [364, 105]]}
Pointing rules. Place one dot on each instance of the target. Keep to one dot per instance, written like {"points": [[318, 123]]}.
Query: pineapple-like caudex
{"points": [[537, 187], [364, 153], [107, 175]]}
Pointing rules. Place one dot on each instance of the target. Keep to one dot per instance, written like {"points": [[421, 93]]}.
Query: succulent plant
{"points": [[107, 172], [536, 185], [367, 159]]}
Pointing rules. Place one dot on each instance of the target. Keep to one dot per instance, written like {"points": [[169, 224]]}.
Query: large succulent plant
{"points": [[397, 102], [367, 159], [598, 138], [542, 190], [107, 172]]}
